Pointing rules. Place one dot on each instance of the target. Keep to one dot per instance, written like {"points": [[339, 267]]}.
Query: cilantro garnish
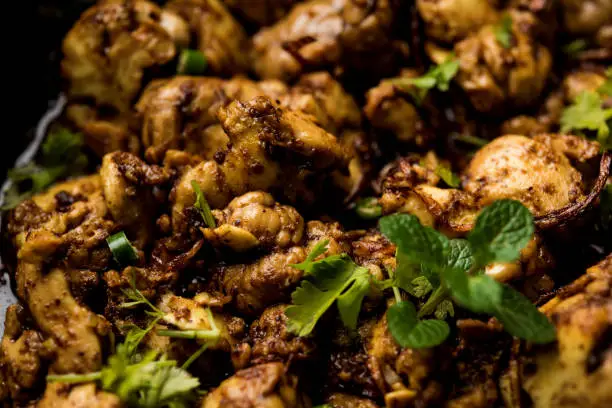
{"points": [[202, 205], [437, 77], [575, 47], [335, 279], [60, 156], [503, 31], [454, 268], [587, 113], [447, 175]]}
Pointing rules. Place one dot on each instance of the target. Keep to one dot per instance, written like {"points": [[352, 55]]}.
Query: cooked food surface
{"points": [[336, 203]]}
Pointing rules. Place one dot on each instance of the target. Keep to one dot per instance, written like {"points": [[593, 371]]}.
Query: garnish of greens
{"points": [[121, 248], [60, 156], [447, 175], [503, 31], [437, 77], [588, 113], [328, 281], [202, 205], [455, 270], [191, 62], [368, 208], [575, 47], [147, 379]]}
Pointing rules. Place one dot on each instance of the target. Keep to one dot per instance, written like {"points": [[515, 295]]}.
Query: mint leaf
{"points": [[522, 319], [419, 244], [318, 250], [502, 230], [444, 309], [420, 287], [408, 331], [405, 272], [459, 255], [485, 294]]}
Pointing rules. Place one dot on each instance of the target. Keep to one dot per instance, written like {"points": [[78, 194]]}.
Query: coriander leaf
{"points": [[606, 88], [450, 178], [319, 249], [447, 71], [168, 384], [60, 145], [408, 331], [421, 245], [575, 47], [349, 303], [503, 31], [444, 309], [587, 113], [522, 319], [436, 77], [502, 230], [329, 279], [202, 205]]}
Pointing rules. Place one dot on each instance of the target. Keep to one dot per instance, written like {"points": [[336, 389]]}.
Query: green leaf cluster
{"points": [[588, 113]]}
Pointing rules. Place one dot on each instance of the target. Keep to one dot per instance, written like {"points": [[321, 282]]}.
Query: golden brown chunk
{"points": [[256, 220], [109, 49], [218, 35], [577, 370], [345, 35], [537, 171], [59, 395], [340, 400], [452, 20], [262, 386], [260, 12], [589, 18]]}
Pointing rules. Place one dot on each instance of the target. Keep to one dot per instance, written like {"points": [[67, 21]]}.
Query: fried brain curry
{"points": [[240, 153]]}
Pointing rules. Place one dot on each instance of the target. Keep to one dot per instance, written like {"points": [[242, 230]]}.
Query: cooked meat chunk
{"points": [[20, 355], [452, 20], [113, 45], [572, 372], [495, 77], [127, 183], [590, 18], [343, 35], [271, 341], [264, 385], [256, 220], [340, 400], [218, 35], [58, 395], [535, 171], [260, 12], [269, 280]]}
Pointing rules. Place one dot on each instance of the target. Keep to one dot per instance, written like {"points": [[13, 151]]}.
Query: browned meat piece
{"points": [[20, 356], [340, 400], [497, 78], [589, 18], [452, 20], [256, 220], [260, 12], [535, 171], [113, 45], [343, 35], [58, 395], [269, 280], [270, 340], [576, 371], [262, 386], [220, 38], [390, 108], [255, 127]]}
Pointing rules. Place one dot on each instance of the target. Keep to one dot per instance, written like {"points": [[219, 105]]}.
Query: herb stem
{"points": [[194, 356], [396, 292], [74, 378], [434, 300], [473, 140], [190, 334]]}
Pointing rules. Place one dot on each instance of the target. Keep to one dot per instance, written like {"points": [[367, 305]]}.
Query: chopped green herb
{"points": [[503, 31], [437, 77], [473, 140], [202, 205], [318, 250], [409, 331], [123, 252], [453, 268], [60, 156], [575, 47], [606, 88], [446, 174], [368, 208], [191, 62], [335, 279], [587, 113]]}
